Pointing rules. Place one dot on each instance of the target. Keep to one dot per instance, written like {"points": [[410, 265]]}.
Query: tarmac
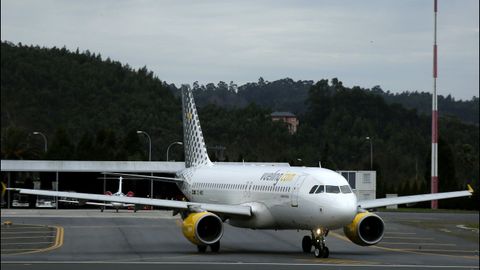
{"points": [[81, 239]]}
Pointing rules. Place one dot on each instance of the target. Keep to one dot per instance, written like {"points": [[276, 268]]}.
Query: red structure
{"points": [[434, 181], [286, 117]]}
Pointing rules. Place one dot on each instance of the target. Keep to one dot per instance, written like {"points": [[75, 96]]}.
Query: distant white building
{"points": [[363, 183]]}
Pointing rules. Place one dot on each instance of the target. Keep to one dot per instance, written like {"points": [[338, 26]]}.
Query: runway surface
{"points": [[81, 239]]}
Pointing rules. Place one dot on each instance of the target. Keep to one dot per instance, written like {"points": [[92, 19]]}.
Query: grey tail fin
{"points": [[193, 142]]}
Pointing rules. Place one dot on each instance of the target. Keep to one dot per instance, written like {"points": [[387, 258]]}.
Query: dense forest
{"points": [[289, 95], [90, 108]]}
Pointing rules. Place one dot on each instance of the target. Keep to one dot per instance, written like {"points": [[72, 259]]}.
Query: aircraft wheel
{"points": [[117, 210], [201, 248], [215, 247], [307, 244], [318, 252], [101, 209], [326, 252]]}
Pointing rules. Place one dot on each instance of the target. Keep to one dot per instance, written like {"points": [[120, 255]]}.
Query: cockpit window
{"points": [[333, 189], [345, 189], [321, 189], [313, 189]]}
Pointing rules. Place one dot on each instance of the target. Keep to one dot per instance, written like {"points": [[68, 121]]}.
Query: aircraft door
{"points": [[296, 188]]}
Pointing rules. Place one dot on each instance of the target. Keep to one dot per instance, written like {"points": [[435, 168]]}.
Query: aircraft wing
{"points": [[144, 176], [241, 210], [413, 199]]}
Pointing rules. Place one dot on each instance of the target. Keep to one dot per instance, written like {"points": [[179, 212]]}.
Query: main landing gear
{"points": [[317, 241], [215, 247]]}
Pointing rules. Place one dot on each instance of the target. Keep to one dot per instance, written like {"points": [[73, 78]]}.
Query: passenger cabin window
{"points": [[333, 189], [313, 189], [345, 189], [321, 189]]}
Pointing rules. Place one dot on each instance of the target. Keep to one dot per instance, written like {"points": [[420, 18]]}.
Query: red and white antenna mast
{"points": [[434, 181]]}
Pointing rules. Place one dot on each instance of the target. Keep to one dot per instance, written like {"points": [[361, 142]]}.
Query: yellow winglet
{"points": [[4, 188], [470, 189]]}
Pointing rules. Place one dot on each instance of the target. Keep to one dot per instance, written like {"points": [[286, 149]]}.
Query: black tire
{"points": [[215, 247], [326, 252], [117, 210], [318, 252], [307, 244], [201, 248]]}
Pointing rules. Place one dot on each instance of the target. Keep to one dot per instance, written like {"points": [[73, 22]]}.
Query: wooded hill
{"points": [[90, 109], [289, 95]]}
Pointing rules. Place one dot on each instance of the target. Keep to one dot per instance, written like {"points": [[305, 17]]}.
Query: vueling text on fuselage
{"points": [[278, 177]]}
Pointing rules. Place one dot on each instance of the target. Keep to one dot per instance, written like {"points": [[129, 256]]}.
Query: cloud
{"points": [[365, 43]]}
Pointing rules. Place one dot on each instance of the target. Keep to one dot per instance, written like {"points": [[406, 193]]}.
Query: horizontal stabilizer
{"points": [[70, 201], [107, 204], [143, 176], [98, 204]]}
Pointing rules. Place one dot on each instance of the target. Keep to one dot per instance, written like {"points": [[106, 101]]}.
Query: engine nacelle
{"points": [[202, 228], [366, 229]]}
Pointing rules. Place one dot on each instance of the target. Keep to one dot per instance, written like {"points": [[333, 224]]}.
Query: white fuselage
{"points": [[280, 197]]}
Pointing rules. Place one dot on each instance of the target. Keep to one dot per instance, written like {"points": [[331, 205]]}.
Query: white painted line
{"points": [[115, 226], [413, 238], [46, 232], [411, 266], [25, 227], [461, 226], [17, 249], [410, 233], [420, 244], [29, 237], [441, 250], [33, 243]]}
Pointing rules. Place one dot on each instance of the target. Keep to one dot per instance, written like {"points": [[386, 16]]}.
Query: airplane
{"points": [[115, 205], [258, 197]]}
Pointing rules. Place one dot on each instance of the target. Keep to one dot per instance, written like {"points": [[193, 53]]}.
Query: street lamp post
{"points": [[44, 139], [371, 152], [149, 143], [149, 157], [168, 148]]}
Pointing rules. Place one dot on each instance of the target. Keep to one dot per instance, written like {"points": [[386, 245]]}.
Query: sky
{"points": [[365, 43]]}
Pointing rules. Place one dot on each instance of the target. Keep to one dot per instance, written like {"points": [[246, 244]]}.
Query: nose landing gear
{"points": [[317, 241]]}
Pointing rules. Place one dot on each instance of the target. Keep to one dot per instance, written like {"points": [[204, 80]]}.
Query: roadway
{"points": [[82, 239]]}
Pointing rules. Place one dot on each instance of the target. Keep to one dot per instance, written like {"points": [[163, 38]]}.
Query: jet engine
{"points": [[202, 228], [366, 229]]}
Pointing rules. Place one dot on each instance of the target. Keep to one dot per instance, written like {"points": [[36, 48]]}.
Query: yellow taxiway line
{"points": [[58, 243]]}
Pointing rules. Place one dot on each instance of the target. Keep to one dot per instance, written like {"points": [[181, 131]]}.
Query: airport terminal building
{"points": [[88, 177], [363, 183]]}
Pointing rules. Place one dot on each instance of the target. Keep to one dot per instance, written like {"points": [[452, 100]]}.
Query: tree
{"points": [[232, 87], [61, 147]]}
